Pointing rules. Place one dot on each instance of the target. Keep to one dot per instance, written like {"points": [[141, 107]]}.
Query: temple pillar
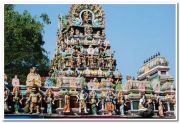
{"points": [[131, 102], [168, 106]]}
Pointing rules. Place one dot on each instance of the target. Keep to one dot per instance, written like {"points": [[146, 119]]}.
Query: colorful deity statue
{"points": [[82, 50], [16, 99], [71, 32], [108, 85], [15, 82], [149, 110], [82, 101], [24, 99], [97, 35], [69, 72], [142, 87], [118, 85], [90, 50], [49, 100], [96, 84], [86, 17], [76, 21], [48, 82], [109, 102], [108, 73], [71, 50], [96, 51], [100, 72], [117, 74], [84, 61], [93, 102], [102, 100], [78, 60], [160, 107], [70, 61], [142, 103], [110, 63], [33, 78], [101, 62], [90, 85], [121, 102], [77, 33], [103, 34], [88, 33], [66, 108], [87, 72], [34, 99]]}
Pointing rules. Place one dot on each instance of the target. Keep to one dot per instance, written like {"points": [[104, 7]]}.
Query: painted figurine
{"points": [[160, 107], [121, 102], [82, 101], [93, 102], [109, 102], [15, 82], [66, 108], [87, 72], [49, 100], [33, 78], [16, 99], [100, 72], [34, 99]]}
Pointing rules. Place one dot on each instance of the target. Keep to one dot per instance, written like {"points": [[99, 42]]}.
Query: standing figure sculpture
{"points": [[82, 101], [49, 100], [160, 107], [109, 102], [66, 108], [34, 99], [16, 99], [93, 102], [121, 102]]}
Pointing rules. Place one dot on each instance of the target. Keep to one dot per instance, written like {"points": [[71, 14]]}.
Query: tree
{"points": [[23, 43]]}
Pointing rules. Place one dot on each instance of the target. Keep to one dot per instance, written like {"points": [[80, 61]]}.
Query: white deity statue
{"points": [[87, 71], [100, 72], [90, 50]]}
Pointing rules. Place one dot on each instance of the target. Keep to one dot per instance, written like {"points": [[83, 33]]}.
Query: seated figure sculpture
{"points": [[69, 72], [33, 78], [87, 72], [15, 82], [100, 72], [90, 50]]}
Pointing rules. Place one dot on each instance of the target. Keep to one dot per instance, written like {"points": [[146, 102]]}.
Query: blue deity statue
{"points": [[48, 82], [69, 71], [96, 23], [76, 21]]}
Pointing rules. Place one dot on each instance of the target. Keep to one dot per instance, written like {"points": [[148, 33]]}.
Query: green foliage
{"points": [[23, 43]]}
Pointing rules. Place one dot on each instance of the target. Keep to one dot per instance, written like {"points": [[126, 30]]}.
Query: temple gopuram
{"points": [[83, 57], [84, 82]]}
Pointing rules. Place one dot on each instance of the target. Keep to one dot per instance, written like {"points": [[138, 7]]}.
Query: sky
{"points": [[135, 31]]}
